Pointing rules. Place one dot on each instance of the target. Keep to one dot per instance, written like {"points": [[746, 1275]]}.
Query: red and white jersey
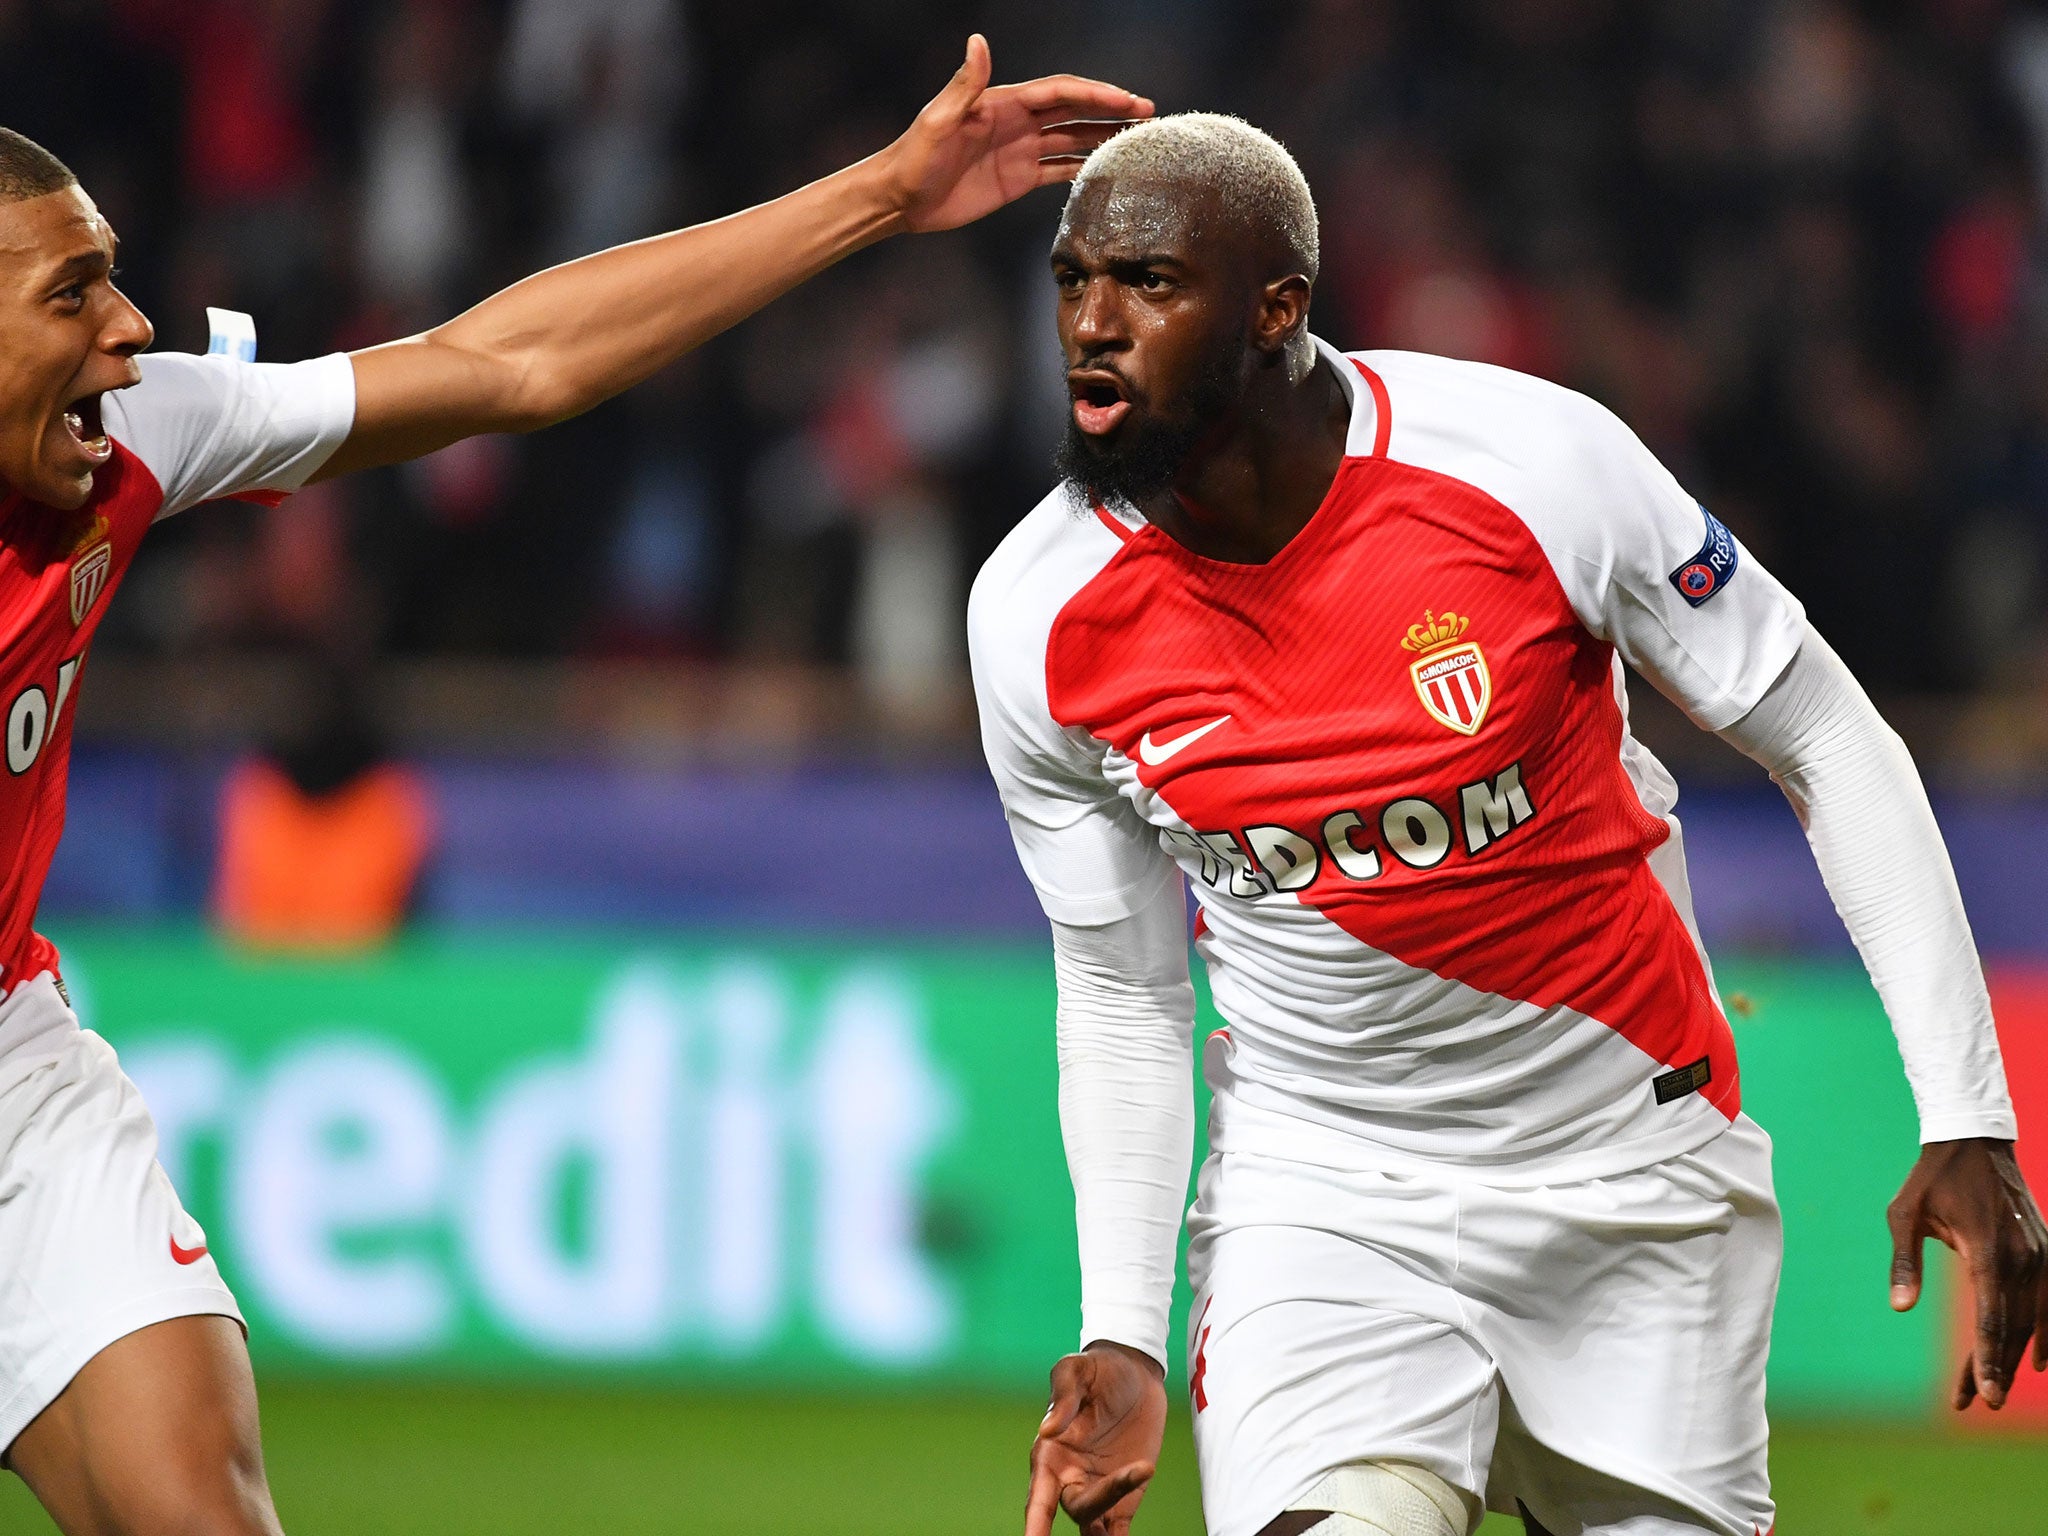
{"points": [[194, 429], [1443, 896]]}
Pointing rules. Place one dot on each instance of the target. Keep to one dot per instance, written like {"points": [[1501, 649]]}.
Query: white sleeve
{"points": [[1088, 853], [1127, 1112], [1651, 570], [211, 426], [1860, 799]]}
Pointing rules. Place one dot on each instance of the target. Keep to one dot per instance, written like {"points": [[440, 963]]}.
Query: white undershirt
{"points": [[1126, 1006], [1873, 835], [1127, 1110]]}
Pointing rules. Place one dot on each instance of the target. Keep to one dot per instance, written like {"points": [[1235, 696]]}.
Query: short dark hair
{"points": [[29, 170]]}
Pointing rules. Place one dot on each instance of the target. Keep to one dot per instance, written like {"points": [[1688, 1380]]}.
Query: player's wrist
{"points": [[1151, 1363], [881, 193], [1986, 1125], [849, 210]]}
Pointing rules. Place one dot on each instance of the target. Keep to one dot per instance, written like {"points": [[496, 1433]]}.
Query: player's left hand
{"points": [[1099, 1442], [973, 148], [1970, 1195]]}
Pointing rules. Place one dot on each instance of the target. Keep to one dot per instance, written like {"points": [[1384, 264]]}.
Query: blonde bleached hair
{"points": [[1254, 176]]}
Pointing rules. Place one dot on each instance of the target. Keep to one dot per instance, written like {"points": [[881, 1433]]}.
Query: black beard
{"points": [[1141, 458]]}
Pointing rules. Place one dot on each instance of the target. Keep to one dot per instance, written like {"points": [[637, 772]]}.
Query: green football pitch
{"points": [[390, 1460]]}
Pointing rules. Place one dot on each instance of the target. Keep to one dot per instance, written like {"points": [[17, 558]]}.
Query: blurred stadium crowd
{"points": [[1797, 245]]}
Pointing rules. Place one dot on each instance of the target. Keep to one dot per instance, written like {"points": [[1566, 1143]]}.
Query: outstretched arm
{"points": [[566, 339], [1854, 786]]}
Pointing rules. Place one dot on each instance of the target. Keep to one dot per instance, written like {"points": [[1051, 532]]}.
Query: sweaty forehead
{"points": [[1110, 216]]}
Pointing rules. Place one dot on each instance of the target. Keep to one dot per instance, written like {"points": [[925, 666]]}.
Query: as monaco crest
{"points": [[1450, 672], [89, 568]]}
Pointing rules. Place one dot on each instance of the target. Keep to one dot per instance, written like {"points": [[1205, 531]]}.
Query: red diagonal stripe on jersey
{"points": [[1304, 653]]}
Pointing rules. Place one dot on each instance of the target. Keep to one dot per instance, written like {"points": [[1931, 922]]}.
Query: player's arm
{"points": [[1127, 1117], [566, 339], [1687, 606], [1874, 837], [1125, 1020]]}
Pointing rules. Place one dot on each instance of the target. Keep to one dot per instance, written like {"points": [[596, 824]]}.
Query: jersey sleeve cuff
{"points": [[329, 404], [1139, 1328], [1775, 651], [1965, 1125]]}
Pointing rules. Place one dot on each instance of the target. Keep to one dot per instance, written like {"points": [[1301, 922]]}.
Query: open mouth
{"points": [[84, 421], [1100, 400]]}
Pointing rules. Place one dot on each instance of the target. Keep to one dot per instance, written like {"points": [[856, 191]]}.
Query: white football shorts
{"points": [[1593, 1350], [93, 1241]]}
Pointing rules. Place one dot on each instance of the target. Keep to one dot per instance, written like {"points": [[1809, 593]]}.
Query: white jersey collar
{"points": [[1364, 429]]}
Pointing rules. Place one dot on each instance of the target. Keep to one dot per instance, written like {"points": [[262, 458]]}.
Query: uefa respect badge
{"points": [[1708, 571]]}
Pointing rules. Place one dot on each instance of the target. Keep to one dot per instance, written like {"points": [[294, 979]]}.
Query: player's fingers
{"points": [[2041, 1323], [1062, 1413], [1075, 93], [1906, 1241], [1993, 1319], [1043, 1501], [1069, 1393], [1966, 1387], [978, 66], [1079, 97], [962, 91], [1050, 117], [1073, 139], [1128, 1481], [2031, 1285], [1052, 172], [1095, 1498], [2020, 1285]]}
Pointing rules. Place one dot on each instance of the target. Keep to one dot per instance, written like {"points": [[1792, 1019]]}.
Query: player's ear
{"points": [[1283, 313]]}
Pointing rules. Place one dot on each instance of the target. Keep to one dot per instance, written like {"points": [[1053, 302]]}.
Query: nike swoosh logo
{"points": [[186, 1255], [1152, 753]]}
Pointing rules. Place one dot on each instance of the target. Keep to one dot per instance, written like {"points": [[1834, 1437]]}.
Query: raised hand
{"points": [[555, 345], [1099, 1444], [973, 149], [1970, 1195]]}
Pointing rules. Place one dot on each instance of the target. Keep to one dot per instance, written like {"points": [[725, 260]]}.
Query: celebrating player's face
{"points": [[67, 336], [1154, 334]]}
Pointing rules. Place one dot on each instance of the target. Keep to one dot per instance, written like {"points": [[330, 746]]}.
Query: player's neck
{"points": [[1248, 491]]}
